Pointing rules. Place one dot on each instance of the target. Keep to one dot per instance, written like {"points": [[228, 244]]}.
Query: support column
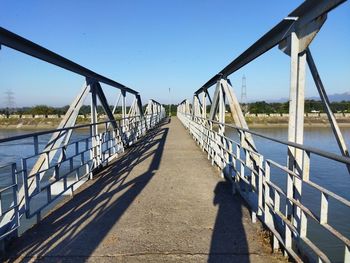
{"points": [[297, 95], [295, 131], [123, 111], [94, 128], [204, 105], [222, 110]]}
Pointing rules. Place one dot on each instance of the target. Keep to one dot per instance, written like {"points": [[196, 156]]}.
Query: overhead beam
{"points": [[299, 18], [28, 47]]}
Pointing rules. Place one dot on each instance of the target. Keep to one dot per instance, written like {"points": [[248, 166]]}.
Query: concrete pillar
{"points": [[123, 111], [295, 129], [94, 128]]}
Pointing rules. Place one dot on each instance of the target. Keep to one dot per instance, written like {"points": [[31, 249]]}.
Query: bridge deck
{"points": [[160, 201]]}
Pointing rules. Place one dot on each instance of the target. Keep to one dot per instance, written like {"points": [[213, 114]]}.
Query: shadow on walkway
{"points": [[229, 241], [78, 226]]}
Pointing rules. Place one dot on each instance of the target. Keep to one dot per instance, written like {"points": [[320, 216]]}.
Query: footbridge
{"points": [[141, 186]]}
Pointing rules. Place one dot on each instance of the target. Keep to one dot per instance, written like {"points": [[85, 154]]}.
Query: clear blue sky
{"points": [[154, 45]]}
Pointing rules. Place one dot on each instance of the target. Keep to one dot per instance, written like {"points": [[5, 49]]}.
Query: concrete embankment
{"points": [[281, 120], [253, 120], [36, 123]]}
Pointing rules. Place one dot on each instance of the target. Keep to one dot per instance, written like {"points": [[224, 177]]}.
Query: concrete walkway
{"points": [[161, 201]]}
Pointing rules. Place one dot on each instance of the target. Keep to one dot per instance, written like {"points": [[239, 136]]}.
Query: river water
{"points": [[329, 174]]}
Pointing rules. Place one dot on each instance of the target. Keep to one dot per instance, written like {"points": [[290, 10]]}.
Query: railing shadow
{"points": [[229, 240], [65, 232]]}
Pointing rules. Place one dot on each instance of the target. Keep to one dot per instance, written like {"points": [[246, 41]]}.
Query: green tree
{"points": [[42, 110]]}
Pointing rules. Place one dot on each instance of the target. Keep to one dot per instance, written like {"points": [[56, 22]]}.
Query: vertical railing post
{"points": [[124, 121], [220, 140], [15, 195], [302, 229], [25, 185], [260, 185]]}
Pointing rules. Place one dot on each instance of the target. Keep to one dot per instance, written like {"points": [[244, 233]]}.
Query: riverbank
{"points": [[282, 121], [270, 121], [252, 121], [35, 123]]}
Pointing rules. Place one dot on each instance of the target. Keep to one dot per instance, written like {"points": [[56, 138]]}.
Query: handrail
{"points": [[275, 211], [27, 135], [314, 150], [92, 152]]}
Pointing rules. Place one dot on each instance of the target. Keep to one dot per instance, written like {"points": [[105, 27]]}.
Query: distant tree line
{"points": [[254, 107], [48, 110], [283, 107], [172, 108], [84, 110]]}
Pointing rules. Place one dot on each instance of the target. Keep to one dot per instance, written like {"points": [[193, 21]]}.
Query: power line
{"points": [[244, 102], [10, 104]]}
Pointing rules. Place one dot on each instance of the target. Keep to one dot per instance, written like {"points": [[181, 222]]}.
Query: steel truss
{"points": [[107, 139], [293, 35]]}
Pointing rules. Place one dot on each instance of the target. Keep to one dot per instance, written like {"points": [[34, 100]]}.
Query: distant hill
{"points": [[337, 97]]}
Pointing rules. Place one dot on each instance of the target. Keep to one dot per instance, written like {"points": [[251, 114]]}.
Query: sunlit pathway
{"points": [[161, 201]]}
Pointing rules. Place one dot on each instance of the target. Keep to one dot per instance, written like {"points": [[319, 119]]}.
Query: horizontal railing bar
{"points": [[315, 249], [69, 144], [283, 168], [280, 239], [284, 218], [9, 232], [6, 188], [66, 160], [24, 136], [229, 139], [337, 234], [304, 209], [329, 193], [58, 195], [45, 185], [314, 185], [275, 187], [58, 148], [28, 135], [7, 164], [11, 208], [333, 156]]}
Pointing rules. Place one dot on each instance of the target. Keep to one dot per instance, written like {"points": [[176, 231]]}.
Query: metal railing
{"points": [[58, 164], [66, 167], [250, 172]]}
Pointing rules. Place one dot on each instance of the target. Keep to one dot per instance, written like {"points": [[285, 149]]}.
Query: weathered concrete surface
{"points": [[161, 201]]}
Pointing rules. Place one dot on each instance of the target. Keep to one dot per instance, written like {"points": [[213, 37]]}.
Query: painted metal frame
{"points": [[268, 201], [293, 35], [43, 171]]}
